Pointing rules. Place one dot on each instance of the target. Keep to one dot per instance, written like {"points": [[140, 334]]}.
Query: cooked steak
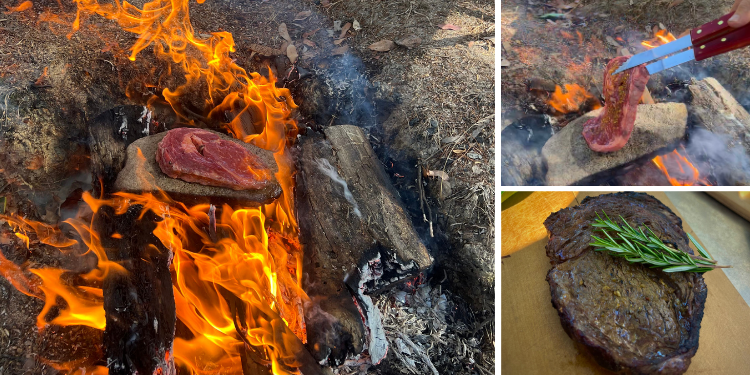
{"points": [[202, 156], [611, 130], [631, 318]]}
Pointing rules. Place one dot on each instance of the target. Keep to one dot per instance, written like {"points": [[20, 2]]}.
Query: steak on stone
{"points": [[611, 130], [202, 156], [631, 318]]}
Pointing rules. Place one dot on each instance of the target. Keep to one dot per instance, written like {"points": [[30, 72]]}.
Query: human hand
{"points": [[741, 17]]}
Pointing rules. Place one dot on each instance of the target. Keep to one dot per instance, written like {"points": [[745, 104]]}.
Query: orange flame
{"points": [[26, 5], [571, 100], [240, 285], [679, 170], [662, 37]]}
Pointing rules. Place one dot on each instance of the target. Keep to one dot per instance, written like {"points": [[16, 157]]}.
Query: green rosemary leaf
{"points": [[637, 245], [700, 248]]}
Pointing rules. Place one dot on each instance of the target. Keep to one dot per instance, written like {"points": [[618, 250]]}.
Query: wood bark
{"points": [[357, 237], [139, 305]]}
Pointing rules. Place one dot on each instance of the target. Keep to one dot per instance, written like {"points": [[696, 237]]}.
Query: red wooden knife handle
{"points": [[709, 31], [727, 41]]}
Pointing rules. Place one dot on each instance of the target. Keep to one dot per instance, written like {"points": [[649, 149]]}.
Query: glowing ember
{"points": [[679, 170], [662, 37], [572, 100]]}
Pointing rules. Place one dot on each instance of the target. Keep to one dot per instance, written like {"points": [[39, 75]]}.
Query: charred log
{"points": [[358, 239], [139, 305]]}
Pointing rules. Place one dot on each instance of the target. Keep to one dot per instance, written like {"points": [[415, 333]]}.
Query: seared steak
{"points": [[611, 130], [631, 318], [202, 156]]}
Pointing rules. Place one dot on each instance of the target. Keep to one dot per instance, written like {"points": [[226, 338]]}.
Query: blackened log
{"points": [[110, 133], [357, 237], [139, 305]]}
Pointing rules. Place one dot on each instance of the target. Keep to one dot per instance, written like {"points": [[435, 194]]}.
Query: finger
{"points": [[741, 15], [736, 4]]}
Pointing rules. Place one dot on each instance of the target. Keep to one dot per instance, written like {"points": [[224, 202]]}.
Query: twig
{"points": [[419, 351]]}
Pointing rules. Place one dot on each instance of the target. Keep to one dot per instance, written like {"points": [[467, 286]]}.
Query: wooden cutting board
{"points": [[533, 340]]}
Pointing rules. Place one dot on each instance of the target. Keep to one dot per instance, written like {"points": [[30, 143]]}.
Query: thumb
{"points": [[741, 15]]}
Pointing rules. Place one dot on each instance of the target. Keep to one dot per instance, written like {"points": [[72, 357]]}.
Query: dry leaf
{"points": [[283, 47], [309, 55], [504, 63], [356, 26], [345, 29], [410, 41], [661, 26], [302, 15], [325, 3], [382, 46], [448, 26], [309, 33], [291, 53], [309, 43], [338, 41], [340, 51], [619, 28], [284, 33], [674, 3]]}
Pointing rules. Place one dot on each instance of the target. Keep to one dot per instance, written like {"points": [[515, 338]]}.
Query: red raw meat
{"points": [[201, 156], [611, 130]]}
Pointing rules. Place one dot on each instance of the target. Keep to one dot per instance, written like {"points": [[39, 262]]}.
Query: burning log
{"points": [[110, 133], [139, 305], [142, 173], [570, 160], [357, 238]]}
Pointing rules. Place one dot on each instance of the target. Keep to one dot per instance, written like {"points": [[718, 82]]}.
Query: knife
{"points": [[708, 40]]}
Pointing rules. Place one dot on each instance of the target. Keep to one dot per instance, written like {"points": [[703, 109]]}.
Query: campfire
{"points": [[261, 258], [689, 130]]}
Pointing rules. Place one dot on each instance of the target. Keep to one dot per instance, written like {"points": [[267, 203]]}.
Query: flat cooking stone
{"points": [[570, 160], [188, 192]]}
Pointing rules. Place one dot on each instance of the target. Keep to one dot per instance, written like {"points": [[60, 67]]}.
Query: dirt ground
{"points": [[428, 105]]}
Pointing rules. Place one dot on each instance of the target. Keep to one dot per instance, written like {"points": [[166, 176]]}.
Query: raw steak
{"points": [[611, 130], [631, 318], [201, 156]]}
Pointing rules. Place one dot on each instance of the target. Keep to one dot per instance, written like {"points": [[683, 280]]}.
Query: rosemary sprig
{"points": [[637, 246]]}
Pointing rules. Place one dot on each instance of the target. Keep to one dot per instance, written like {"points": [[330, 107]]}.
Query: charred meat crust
{"points": [[631, 319]]}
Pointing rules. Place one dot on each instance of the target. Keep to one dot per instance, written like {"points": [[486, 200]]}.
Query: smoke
{"points": [[729, 161], [327, 169]]}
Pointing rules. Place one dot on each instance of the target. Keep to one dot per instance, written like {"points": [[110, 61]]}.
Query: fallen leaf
{"points": [[459, 151], [471, 44], [303, 15], [504, 63], [674, 3], [309, 55], [284, 33], [356, 26], [448, 26], [507, 47], [619, 28], [612, 41], [325, 3], [308, 34], [338, 41], [340, 51], [567, 6], [309, 43], [661, 26], [452, 139], [345, 29], [552, 16], [382, 46], [409, 42], [283, 46], [291, 53]]}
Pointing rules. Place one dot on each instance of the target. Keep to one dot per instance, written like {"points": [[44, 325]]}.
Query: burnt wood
{"points": [[357, 240], [139, 305], [110, 133]]}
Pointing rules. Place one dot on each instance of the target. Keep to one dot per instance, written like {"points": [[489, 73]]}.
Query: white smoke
{"points": [[326, 167]]}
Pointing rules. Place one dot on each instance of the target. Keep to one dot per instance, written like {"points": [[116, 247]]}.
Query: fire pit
{"points": [[690, 129], [169, 212]]}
